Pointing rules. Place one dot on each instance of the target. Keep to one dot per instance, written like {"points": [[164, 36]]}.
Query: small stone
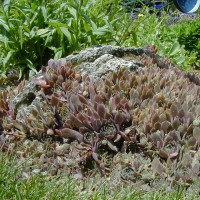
{"points": [[62, 149]]}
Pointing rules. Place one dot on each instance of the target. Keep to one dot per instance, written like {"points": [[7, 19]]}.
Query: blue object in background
{"points": [[187, 6], [159, 6]]}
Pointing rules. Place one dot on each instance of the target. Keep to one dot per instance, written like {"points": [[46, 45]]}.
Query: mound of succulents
{"points": [[136, 126]]}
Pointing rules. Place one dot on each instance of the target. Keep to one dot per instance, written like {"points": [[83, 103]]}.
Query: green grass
{"points": [[14, 184]]}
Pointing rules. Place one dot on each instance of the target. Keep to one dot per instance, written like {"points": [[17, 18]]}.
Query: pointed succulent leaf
{"points": [[95, 156], [54, 100], [181, 113], [87, 125], [70, 134], [191, 142], [190, 129], [96, 124], [166, 126], [112, 147], [40, 82], [173, 155], [119, 118], [158, 167], [175, 135], [196, 133], [98, 99], [82, 99], [100, 165], [175, 123], [92, 91], [117, 100], [156, 137], [190, 118], [95, 114], [101, 110], [114, 77], [108, 83], [108, 116], [117, 138], [155, 118], [174, 110], [157, 126], [163, 154], [187, 160], [75, 121]]}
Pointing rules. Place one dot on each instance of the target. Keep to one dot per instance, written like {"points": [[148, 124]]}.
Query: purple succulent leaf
{"points": [[156, 137], [191, 142], [75, 102], [155, 119], [158, 167], [2, 140], [112, 147], [196, 133], [108, 116], [163, 154], [181, 113], [95, 114], [100, 165], [98, 99], [70, 134], [124, 136], [190, 118], [87, 125], [40, 82], [101, 110], [166, 126], [117, 138], [51, 63], [96, 124], [83, 99], [173, 155], [175, 135], [175, 123], [119, 118], [147, 128], [54, 100], [174, 110], [92, 91], [77, 123], [89, 112]]}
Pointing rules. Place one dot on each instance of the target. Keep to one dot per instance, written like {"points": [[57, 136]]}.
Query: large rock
{"points": [[96, 61], [99, 60]]}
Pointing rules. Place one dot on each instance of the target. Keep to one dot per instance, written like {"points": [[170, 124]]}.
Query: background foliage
{"points": [[33, 32]]}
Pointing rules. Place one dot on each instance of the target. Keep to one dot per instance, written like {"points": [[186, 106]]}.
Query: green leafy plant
{"points": [[189, 37], [156, 30], [32, 33]]}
